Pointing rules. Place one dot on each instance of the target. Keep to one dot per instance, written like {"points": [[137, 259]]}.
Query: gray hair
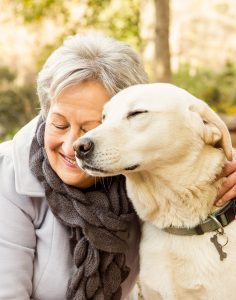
{"points": [[89, 57]]}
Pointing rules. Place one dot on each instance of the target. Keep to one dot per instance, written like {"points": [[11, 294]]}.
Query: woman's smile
{"points": [[69, 162]]}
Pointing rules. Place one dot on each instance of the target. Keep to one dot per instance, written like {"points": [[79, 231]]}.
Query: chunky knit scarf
{"points": [[98, 220]]}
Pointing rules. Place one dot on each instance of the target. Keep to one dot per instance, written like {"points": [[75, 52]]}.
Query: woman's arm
{"points": [[17, 238], [17, 245]]}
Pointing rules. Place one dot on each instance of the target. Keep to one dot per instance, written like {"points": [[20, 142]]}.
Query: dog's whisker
{"points": [[102, 182]]}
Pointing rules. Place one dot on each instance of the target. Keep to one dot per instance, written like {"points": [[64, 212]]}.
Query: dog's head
{"points": [[148, 126]]}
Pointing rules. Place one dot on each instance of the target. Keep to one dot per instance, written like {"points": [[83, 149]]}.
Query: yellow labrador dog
{"points": [[170, 146]]}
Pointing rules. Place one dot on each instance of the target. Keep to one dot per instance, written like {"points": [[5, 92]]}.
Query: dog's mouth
{"points": [[92, 169], [99, 171]]}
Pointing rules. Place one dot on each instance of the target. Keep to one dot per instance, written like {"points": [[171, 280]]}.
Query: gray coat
{"points": [[35, 260]]}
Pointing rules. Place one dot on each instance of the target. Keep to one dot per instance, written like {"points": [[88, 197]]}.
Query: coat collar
{"points": [[26, 182]]}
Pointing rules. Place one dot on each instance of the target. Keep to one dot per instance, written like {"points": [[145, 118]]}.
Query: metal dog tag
{"points": [[218, 246]]}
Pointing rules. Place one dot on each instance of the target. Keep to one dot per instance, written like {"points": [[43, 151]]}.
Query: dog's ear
{"points": [[215, 131]]}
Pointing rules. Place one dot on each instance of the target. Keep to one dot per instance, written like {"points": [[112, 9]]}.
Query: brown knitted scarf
{"points": [[98, 220]]}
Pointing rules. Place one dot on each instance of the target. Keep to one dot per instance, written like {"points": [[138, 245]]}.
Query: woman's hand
{"points": [[228, 190]]}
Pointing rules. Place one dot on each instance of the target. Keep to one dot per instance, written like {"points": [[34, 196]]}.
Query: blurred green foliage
{"points": [[34, 10], [6, 75], [217, 88], [120, 19], [18, 104]]}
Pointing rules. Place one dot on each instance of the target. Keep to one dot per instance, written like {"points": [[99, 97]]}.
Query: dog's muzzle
{"points": [[84, 148]]}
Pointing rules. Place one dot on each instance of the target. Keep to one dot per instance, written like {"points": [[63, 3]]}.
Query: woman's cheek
{"points": [[52, 139]]}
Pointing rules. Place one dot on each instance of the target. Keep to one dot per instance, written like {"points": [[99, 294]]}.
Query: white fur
{"points": [[180, 146]]}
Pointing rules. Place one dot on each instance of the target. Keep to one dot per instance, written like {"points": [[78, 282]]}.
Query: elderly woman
{"points": [[64, 234]]}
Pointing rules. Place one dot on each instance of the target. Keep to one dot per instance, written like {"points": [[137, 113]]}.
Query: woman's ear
{"points": [[215, 132]]}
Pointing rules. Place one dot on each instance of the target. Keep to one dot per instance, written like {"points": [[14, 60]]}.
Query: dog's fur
{"points": [[170, 146]]}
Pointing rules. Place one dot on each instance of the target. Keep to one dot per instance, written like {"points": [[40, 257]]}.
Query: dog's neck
{"points": [[181, 194]]}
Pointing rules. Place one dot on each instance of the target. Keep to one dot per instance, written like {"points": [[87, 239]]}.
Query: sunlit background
{"points": [[191, 43]]}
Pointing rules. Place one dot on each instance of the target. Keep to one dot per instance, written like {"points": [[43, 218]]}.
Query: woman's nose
{"points": [[67, 146]]}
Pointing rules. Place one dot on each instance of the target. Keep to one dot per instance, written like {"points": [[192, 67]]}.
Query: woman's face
{"points": [[77, 110]]}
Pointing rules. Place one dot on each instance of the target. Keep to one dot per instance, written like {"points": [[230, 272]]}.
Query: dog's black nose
{"points": [[84, 147]]}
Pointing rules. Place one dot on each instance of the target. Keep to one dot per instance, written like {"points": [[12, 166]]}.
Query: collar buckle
{"points": [[220, 229]]}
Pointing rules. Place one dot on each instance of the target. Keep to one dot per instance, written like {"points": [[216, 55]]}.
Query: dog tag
{"points": [[219, 247]]}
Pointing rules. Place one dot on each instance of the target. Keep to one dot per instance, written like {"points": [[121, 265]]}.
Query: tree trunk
{"points": [[162, 49]]}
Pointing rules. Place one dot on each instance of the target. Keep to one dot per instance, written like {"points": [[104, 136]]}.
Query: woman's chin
{"points": [[79, 179]]}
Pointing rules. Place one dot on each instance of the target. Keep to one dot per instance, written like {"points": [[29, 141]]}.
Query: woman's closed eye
{"points": [[60, 126], [84, 130], [89, 126]]}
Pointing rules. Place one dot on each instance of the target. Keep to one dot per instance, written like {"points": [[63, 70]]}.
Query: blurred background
{"points": [[191, 43]]}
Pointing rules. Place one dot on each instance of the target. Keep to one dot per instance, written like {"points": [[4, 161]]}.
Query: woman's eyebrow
{"points": [[58, 114], [92, 120], [87, 121]]}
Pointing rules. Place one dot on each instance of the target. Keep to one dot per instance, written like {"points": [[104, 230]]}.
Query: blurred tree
{"points": [[18, 104], [35, 11], [6, 75], [216, 88], [119, 19], [128, 20], [162, 48]]}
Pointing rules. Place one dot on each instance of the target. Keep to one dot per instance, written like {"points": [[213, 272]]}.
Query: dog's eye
{"points": [[135, 113]]}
